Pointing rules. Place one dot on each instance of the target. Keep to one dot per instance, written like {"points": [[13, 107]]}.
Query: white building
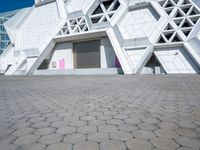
{"points": [[104, 37]]}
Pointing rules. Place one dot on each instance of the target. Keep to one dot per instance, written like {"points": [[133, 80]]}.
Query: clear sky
{"points": [[7, 5]]}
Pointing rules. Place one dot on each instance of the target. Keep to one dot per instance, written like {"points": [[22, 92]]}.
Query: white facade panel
{"points": [[131, 32]]}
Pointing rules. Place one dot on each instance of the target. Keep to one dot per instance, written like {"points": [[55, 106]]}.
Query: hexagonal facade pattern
{"points": [[104, 37]]}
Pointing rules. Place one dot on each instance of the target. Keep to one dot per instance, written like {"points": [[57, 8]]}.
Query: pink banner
{"points": [[62, 64]]}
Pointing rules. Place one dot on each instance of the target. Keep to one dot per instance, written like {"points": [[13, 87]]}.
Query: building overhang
{"points": [[81, 36]]}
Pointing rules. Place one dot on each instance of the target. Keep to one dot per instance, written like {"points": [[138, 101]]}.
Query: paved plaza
{"points": [[100, 113]]}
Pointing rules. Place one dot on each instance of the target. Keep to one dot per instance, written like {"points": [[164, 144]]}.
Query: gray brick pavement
{"points": [[100, 113]]}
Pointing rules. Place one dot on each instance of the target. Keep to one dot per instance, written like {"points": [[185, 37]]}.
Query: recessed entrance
{"points": [[87, 54]]}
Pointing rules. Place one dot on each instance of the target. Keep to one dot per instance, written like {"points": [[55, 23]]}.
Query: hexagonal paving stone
{"points": [[120, 116], [147, 127], [138, 144], [187, 132], [141, 134], [104, 117], [6, 131], [107, 128], [50, 139], [167, 125], [7, 139], [132, 121], [150, 120], [184, 148], [40, 124], [45, 131], [166, 133], [59, 124], [9, 147], [74, 138], [59, 146], [66, 130], [98, 137], [127, 127], [112, 145], [86, 146], [186, 124], [88, 118], [27, 139], [188, 142], [114, 121], [87, 129], [97, 122], [164, 144], [78, 123], [121, 135], [34, 146]]}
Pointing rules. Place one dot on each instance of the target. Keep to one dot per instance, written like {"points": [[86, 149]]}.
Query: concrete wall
{"points": [[62, 54], [107, 54]]}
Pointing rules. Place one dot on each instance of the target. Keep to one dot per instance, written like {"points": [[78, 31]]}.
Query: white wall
{"points": [[62, 51], [107, 54]]}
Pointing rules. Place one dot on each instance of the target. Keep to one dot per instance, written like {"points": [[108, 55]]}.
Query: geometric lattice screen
{"points": [[184, 15], [104, 11], [75, 25]]}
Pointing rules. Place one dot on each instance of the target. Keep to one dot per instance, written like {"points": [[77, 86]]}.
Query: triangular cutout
{"points": [[186, 32], [161, 40], [178, 21], [185, 2], [194, 11], [169, 4], [185, 9], [98, 10], [153, 62], [194, 19], [168, 27], [168, 11], [186, 24], [168, 35], [176, 1], [178, 14], [162, 3], [176, 38]]}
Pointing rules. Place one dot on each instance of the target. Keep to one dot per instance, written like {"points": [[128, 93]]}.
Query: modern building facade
{"points": [[104, 37], [4, 39]]}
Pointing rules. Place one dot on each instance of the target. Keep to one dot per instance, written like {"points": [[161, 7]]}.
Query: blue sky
{"points": [[7, 5]]}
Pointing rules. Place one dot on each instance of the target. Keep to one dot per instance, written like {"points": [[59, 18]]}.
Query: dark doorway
{"points": [[87, 54]]}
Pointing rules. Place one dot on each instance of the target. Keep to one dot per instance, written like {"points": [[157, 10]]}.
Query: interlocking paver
{"points": [[74, 138], [59, 146], [112, 145], [50, 139], [9, 147], [22, 132], [166, 133], [34, 146], [45, 131], [98, 137], [188, 142], [107, 128], [87, 129], [121, 136], [66, 130], [86, 146], [148, 135], [7, 139], [136, 144], [110, 112], [27, 139], [164, 144]]}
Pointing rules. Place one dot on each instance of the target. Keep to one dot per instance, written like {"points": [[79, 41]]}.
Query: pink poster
{"points": [[62, 64]]}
